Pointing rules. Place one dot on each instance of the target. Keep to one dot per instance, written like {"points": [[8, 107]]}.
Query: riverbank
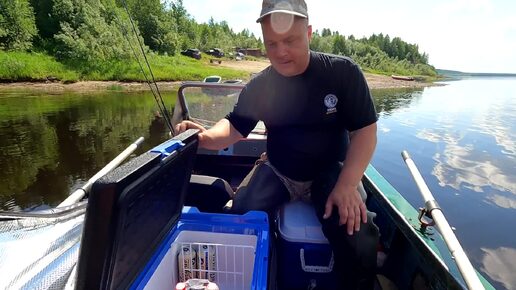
{"points": [[375, 82]]}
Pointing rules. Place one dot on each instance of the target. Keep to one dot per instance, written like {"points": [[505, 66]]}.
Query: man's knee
{"points": [[361, 245]]}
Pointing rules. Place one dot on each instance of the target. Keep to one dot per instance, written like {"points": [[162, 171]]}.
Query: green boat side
{"points": [[406, 219]]}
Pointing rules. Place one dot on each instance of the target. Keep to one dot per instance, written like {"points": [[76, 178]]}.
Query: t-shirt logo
{"points": [[331, 102]]}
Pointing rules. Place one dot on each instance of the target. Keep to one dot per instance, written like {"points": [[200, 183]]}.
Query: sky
{"points": [[463, 35]]}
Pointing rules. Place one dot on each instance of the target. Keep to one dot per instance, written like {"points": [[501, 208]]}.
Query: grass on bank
{"points": [[22, 66], [416, 75]]}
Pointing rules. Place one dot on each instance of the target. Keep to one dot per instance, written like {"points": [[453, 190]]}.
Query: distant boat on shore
{"points": [[212, 79], [402, 78]]}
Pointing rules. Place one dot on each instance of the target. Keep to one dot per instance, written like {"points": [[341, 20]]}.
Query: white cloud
{"points": [[461, 165], [499, 265], [461, 160], [239, 14], [382, 128], [508, 202]]}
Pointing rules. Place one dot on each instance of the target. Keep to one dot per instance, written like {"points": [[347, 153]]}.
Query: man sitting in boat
{"points": [[321, 126]]}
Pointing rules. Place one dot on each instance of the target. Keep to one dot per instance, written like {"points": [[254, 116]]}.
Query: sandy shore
{"points": [[374, 81]]}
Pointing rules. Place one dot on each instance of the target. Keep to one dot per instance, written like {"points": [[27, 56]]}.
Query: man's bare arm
{"points": [[218, 137]]}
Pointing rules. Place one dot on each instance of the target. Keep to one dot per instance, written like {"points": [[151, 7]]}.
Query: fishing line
{"points": [[137, 58], [157, 94]]}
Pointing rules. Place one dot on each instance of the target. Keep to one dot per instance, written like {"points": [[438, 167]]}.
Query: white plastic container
{"points": [[235, 247], [303, 250]]}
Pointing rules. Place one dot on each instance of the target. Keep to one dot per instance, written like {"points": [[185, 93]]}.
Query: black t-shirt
{"points": [[307, 116]]}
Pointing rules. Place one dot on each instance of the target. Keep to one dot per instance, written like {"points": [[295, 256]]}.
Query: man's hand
{"points": [[185, 125], [219, 136], [352, 210]]}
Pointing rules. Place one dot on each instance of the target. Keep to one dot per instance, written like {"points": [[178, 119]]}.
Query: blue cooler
{"points": [[236, 249], [305, 258], [138, 235]]}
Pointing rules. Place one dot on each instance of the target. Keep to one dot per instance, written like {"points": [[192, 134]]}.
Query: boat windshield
{"points": [[206, 104]]}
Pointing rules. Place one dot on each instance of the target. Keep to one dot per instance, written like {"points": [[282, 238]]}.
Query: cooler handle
{"points": [[315, 269]]}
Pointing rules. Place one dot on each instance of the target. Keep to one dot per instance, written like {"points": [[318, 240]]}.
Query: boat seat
{"points": [[208, 193]]}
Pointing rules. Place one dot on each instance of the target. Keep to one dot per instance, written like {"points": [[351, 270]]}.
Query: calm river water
{"points": [[462, 136]]}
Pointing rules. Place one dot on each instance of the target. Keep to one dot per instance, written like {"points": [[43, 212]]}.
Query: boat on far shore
{"points": [[218, 80], [212, 79], [402, 78]]}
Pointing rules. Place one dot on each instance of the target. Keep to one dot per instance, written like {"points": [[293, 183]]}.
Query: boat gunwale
{"points": [[423, 242]]}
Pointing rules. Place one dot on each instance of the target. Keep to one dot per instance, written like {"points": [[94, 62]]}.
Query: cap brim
{"points": [[280, 11]]}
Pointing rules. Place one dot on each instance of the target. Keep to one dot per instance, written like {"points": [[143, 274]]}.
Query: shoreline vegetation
{"points": [[40, 72], [242, 69], [374, 81], [74, 44]]}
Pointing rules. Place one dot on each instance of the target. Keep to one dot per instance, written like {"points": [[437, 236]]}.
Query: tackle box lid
{"points": [[130, 211]]}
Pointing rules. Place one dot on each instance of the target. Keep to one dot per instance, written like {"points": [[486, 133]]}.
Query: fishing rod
{"points": [[466, 269], [154, 90], [81, 192]]}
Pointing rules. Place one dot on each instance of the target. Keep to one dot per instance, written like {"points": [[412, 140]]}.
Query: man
{"points": [[309, 102]]}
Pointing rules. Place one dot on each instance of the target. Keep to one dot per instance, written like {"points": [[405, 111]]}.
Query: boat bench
{"points": [[208, 193]]}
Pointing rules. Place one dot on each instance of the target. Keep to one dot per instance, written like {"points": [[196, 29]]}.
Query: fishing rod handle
{"points": [[81, 192]]}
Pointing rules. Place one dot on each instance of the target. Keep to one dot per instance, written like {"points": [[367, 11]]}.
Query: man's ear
{"points": [[309, 31]]}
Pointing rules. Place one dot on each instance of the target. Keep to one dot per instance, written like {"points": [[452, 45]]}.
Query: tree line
{"points": [[377, 53], [101, 29], [95, 32]]}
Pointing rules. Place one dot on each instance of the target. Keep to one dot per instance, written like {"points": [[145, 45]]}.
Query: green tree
{"points": [[323, 44], [326, 32], [88, 33], [152, 22], [339, 45], [376, 53], [17, 25], [3, 29], [46, 22]]}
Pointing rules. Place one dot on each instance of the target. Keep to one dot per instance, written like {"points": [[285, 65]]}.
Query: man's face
{"points": [[286, 40]]}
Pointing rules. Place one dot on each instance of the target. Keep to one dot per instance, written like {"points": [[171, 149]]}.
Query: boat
{"points": [[403, 78], [234, 81], [218, 79], [212, 79], [141, 223]]}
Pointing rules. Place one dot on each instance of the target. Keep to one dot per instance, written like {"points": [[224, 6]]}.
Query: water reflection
{"points": [[499, 263], [51, 145], [497, 123], [388, 101], [27, 145], [463, 138], [503, 201], [476, 149]]}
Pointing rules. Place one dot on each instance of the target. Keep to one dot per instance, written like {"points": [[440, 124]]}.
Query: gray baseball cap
{"points": [[294, 7]]}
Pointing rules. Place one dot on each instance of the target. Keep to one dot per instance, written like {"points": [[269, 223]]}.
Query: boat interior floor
{"points": [[213, 194], [383, 283]]}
